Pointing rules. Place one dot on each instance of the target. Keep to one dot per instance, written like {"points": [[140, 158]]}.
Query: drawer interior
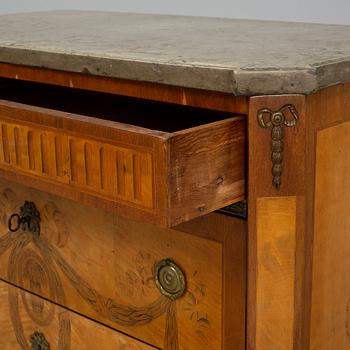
{"points": [[148, 114]]}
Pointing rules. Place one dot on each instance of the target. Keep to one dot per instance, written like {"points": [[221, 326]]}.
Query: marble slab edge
{"points": [[237, 82]]}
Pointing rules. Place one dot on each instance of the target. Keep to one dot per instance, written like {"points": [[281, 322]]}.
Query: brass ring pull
{"points": [[28, 219], [18, 223], [169, 279]]}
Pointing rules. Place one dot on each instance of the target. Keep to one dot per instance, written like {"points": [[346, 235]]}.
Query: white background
{"points": [[323, 11]]}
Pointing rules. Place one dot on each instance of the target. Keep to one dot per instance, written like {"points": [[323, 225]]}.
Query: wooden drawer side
{"points": [[207, 169]]}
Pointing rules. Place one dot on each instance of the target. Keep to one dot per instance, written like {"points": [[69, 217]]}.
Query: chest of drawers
{"points": [[173, 183]]}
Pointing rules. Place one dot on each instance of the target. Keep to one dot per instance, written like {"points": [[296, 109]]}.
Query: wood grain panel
{"points": [[62, 157], [293, 185], [207, 169], [326, 108], [22, 314], [232, 232], [101, 265], [276, 243], [330, 303]]}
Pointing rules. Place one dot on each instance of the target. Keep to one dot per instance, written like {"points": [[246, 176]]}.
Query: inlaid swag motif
{"points": [[42, 265]]}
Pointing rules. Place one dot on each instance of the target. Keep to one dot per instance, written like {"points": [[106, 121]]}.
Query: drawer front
{"points": [[152, 176], [103, 266], [29, 322]]}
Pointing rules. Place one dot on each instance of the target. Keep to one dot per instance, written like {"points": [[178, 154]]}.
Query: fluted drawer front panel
{"points": [[92, 166]]}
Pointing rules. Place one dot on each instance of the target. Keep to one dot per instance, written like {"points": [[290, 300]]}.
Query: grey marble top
{"points": [[240, 57]]}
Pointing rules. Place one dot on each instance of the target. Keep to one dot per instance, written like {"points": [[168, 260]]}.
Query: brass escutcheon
{"points": [[169, 279], [38, 342], [27, 220]]}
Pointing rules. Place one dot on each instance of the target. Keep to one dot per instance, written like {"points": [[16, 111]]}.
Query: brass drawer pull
{"points": [[28, 219], [169, 279], [38, 342]]}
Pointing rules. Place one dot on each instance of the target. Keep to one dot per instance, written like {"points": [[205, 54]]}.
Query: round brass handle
{"points": [[169, 279]]}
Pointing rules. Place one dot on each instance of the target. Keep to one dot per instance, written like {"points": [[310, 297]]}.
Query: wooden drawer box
{"points": [[103, 266], [155, 162], [29, 322]]}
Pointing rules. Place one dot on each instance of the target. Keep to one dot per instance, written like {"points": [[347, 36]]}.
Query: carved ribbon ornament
{"points": [[277, 121]]}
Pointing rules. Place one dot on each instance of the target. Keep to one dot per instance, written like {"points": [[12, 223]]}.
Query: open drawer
{"points": [[149, 161]]}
